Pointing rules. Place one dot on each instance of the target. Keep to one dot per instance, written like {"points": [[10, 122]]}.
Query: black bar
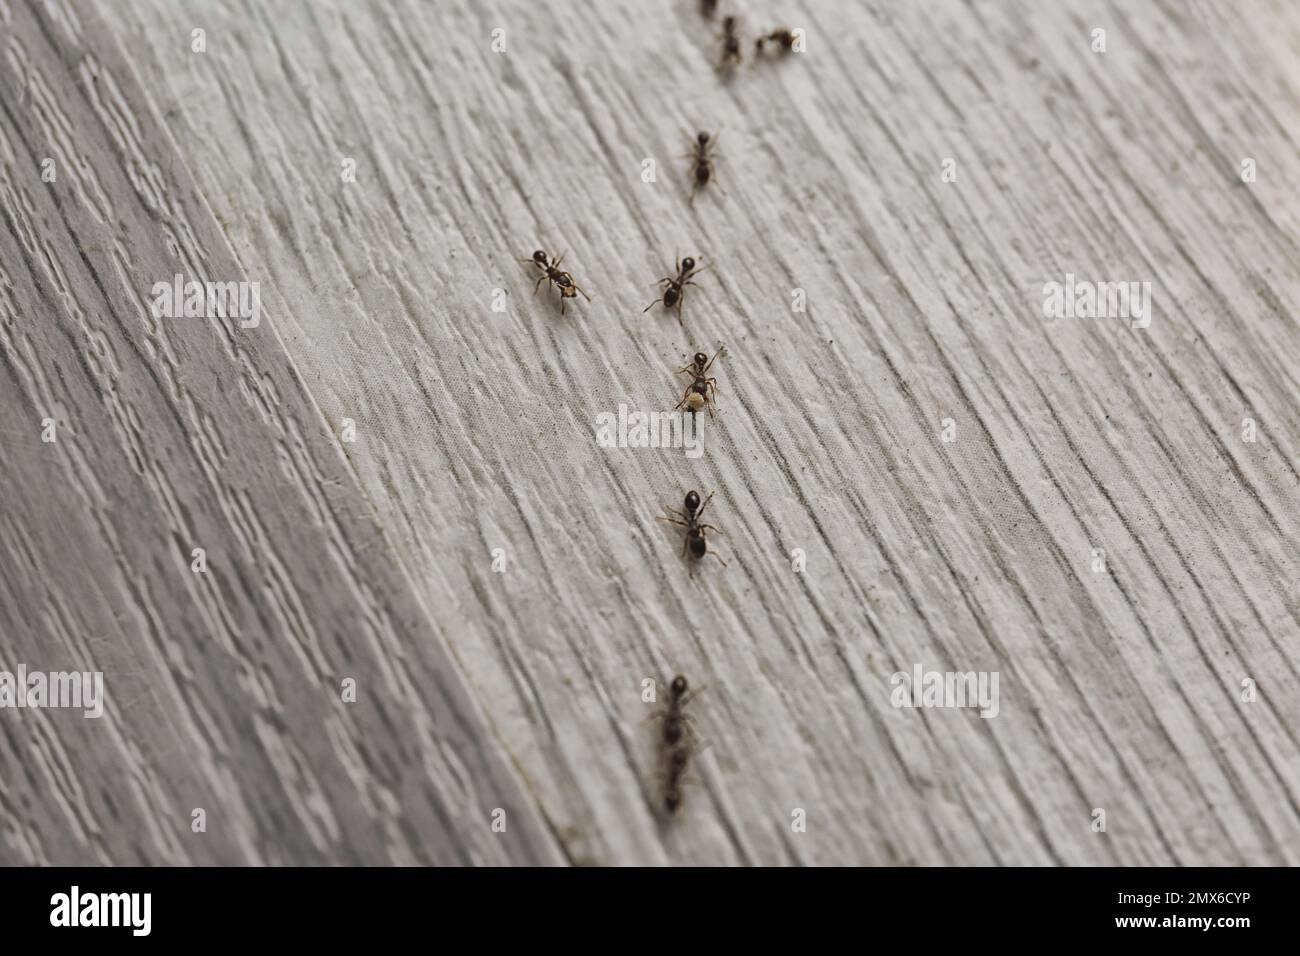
{"points": [[537, 907]]}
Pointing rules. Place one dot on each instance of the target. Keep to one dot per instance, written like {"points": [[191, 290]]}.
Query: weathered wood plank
{"points": [[222, 689], [1120, 690]]}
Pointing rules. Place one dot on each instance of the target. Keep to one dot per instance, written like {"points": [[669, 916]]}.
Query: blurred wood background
{"points": [[481, 131]]}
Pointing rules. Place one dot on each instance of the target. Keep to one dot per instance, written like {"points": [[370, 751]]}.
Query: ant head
{"points": [[729, 23], [703, 138], [672, 800], [692, 502], [698, 547], [539, 257], [679, 685], [701, 359], [688, 264]]}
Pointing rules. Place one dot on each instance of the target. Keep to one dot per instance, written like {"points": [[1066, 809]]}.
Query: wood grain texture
{"points": [[1119, 690], [223, 689]]}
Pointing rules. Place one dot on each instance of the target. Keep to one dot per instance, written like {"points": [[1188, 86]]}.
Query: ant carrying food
{"points": [[783, 38], [551, 273], [675, 291], [701, 157], [703, 390], [731, 54], [694, 541]]}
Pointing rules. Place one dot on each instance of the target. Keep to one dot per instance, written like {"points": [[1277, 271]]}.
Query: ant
{"points": [[783, 37], [678, 751], [701, 157], [675, 293], [677, 761], [731, 54], [552, 274], [708, 8], [675, 720], [703, 389], [694, 541]]}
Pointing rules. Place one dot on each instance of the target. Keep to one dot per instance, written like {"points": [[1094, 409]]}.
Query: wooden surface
{"points": [[521, 690]]}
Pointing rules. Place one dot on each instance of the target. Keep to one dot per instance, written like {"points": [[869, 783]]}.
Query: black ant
{"points": [[701, 157], [783, 38], [552, 274], [676, 748], [675, 292], [708, 8], [703, 390], [677, 760], [731, 54], [694, 541]]}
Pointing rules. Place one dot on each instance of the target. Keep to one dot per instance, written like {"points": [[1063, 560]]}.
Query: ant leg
{"points": [[539, 283], [556, 263], [711, 361], [718, 556], [580, 289], [666, 710], [711, 527], [652, 305], [700, 510]]}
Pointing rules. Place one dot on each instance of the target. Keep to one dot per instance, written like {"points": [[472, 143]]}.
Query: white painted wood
{"points": [[1119, 690], [223, 689]]}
